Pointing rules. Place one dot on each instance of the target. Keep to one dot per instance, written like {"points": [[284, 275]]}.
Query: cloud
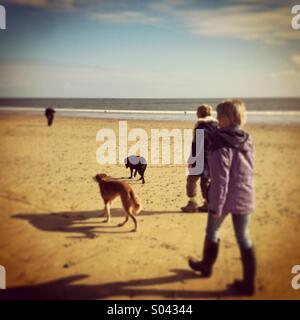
{"points": [[296, 59], [267, 21], [285, 74], [34, 3], [126, 17], [268, 24], [57, 4], [287, 81], [97, 10], [25, 79], [29, 79]]}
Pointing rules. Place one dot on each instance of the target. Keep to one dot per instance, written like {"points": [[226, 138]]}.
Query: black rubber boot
{"points": [[247, 285], [210, 254]]}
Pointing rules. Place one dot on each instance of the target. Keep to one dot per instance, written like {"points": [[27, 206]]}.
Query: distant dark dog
{"points": [[137, 163]]}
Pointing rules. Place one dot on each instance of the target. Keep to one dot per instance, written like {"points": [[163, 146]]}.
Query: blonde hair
{"points": [[234, 110], [204, 110]]}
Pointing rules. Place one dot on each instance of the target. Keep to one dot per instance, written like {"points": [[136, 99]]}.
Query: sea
{"points": [[259, 110]]}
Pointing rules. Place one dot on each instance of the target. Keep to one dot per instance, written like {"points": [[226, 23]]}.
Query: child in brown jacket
{"points": [[209, 125]]}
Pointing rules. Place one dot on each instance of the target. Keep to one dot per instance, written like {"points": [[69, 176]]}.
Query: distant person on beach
{"points": [[231, 164], [49, 113], [209, 125]]}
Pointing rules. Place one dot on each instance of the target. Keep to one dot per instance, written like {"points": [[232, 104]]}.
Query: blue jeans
{"points": [[240, 224]]}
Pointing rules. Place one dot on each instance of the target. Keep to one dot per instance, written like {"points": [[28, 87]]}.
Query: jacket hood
{"points": [[207, 119], [207, 122], [232, 137]]}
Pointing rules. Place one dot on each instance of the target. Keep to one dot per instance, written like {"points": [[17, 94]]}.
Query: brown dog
{"points": [[110, 189]]}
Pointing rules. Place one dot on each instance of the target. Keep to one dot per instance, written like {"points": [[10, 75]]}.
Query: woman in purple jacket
{"points": [[231, 165]]}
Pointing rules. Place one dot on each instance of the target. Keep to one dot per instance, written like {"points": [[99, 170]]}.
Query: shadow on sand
{"points": [[77, 222], [67, 289]]}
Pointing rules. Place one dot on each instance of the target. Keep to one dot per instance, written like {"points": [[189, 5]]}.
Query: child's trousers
{"points": [[191, 186]]}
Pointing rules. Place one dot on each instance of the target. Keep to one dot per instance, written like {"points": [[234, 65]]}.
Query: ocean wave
{"points": [[262, 116]]}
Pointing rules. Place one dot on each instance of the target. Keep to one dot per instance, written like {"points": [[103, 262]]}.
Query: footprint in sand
{"points": [[68, 265], [168, 246]]}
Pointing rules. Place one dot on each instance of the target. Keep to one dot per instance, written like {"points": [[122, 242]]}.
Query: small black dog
{"points": [[137, 163]]}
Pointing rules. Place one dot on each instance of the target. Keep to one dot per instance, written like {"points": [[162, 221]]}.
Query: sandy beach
{"points": [[54, 244]]}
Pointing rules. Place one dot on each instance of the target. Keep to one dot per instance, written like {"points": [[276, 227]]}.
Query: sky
{"points": [[149, 49]]}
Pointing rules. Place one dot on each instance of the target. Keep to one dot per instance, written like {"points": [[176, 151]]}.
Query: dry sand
{"points": [[54, 245]]}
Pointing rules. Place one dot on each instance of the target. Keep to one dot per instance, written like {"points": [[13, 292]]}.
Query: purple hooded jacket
{"points": [[231, 163]]}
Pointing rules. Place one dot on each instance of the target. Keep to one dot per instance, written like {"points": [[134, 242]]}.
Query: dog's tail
{"points": [[137, 207]]}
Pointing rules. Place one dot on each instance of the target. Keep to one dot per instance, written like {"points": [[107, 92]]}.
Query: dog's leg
{"points": [[123, 223], [131, 171], [108, 216], [142, 176], [107, 212], [103, 213], [135, 172], [134, 220]]}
